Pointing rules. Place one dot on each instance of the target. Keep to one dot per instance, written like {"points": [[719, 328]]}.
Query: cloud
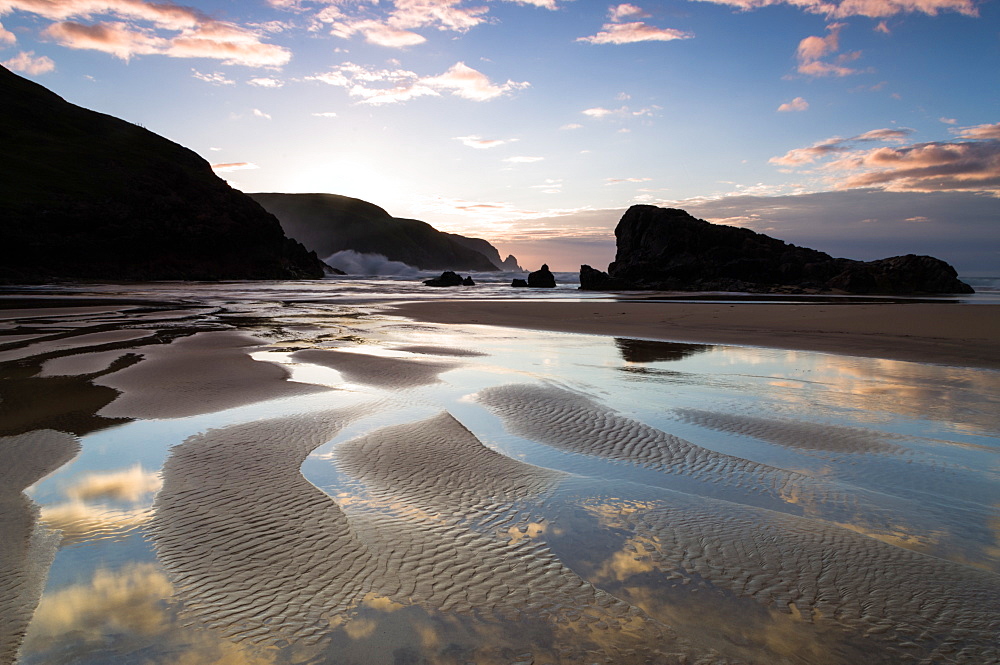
{"points": [[6, 36], [376, 32], [624, 11], [266, 82], [146, 28], [599, 112], [385, 86], [480, 143], [812, 50], [869, 8], [27, 63], [234, 166], [948, 121], [124, 485], [618, 181], [797, 104], [215, 78], [924, 167], [468, 83], [572, 125], [326, 114], [522, 159], [260, 114], [980, 132], [971, 165], [831, 146]]}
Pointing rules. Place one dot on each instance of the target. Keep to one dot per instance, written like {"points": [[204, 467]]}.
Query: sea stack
{"points": [[666, 249], [542, 278]]}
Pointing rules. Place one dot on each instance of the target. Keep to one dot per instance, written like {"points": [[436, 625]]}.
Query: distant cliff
{"points": [[330, 223], [668, 249], [84, 195]]}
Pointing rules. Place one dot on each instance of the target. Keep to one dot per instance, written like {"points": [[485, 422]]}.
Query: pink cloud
{"points": [[800, 156], [117, 39], [797, 104], [630, 33], [383, 86], [27, 63], [813, 49], [980, 132], [6, 36], [480, 143], [233, 166], [198, 35], [869, 8], [619, 12], [468, 83], [924, 167]]}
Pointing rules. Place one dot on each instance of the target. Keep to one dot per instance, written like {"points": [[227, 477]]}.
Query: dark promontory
{"points": [[84, 195], [667, 249], [330, 223]]}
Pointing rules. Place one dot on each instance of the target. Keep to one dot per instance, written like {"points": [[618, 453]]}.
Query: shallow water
{"points": [[467, 494]]}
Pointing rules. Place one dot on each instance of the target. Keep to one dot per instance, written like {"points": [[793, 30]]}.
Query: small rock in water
{"points": [[519, 283]]}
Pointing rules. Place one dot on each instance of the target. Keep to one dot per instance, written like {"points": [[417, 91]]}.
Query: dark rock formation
{"points": [[519, 283], [541, 278], [84, 195], [329, 223], [447, 278], [468, 281], [668, 249], [510, 264]]}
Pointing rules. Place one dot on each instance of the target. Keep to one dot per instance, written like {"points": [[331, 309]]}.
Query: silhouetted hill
{"points": [[330, 223], [84, 195], [666, 249]]}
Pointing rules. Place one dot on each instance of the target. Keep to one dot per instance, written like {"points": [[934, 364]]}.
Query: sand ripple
{"points": [[26, 548], [577, 424], [797, 434], [256, 551], [922, 607]]}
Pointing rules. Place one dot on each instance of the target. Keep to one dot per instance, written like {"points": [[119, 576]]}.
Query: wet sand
{"points": [[945, 333]]}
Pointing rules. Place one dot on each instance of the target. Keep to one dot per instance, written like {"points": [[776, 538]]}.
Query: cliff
{"points": [[330, 223], [668, 249], [84, 195]]}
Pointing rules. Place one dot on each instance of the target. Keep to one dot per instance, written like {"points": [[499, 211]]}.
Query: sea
{"points": [[417, 493]]}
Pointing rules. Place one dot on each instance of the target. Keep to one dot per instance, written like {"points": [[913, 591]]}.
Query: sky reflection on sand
{"points": [[912, 448]]}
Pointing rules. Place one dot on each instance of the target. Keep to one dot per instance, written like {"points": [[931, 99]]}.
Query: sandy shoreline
{"points": [[946, 333]]}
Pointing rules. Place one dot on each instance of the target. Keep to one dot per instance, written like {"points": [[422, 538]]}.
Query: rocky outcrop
{"points": [[449, 278], [668, 249], [84, 195], [519, 283], [486, 249], [510, 264], [542, 278], [330, 223]]}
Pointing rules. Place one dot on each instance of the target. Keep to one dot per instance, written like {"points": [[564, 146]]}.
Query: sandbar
{"points": [[966, 335]]}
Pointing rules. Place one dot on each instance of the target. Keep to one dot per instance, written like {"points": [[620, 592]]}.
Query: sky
{"points": [[864, 128]]}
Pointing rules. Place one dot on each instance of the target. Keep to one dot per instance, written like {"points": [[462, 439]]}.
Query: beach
{"points": [[303, 473], [920, 332]]}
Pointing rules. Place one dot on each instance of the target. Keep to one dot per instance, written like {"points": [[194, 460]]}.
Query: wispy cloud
{"points": [[971, 165], [621, 112], [620, 32], [522, 159], [619, 181], [480, 143], [869, 8], [837, 145], [260, 114], [234, 166], [129, 28], [266, 82], [27, 62], [797, 104], [980, 132], [215, 78], [390, 86]]}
